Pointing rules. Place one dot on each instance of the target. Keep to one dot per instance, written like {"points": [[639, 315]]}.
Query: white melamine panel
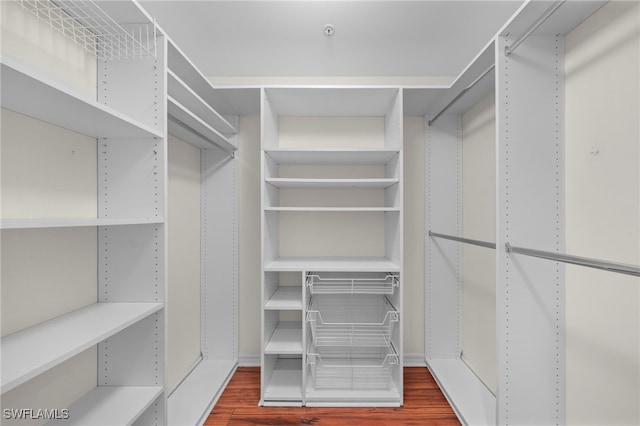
{"points": [[181, 119], [46, 273], [29, 352], [59, 105], [530, 302], [443, 215], [286, 339], [602, 164], [183, 246], [337, 264], [331, 132], [478, 266], [285, 298], [60, 181], [331, 183], [331, 156]]}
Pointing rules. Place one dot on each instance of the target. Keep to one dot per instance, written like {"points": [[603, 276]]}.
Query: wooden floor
{"points": [[424, 404]]}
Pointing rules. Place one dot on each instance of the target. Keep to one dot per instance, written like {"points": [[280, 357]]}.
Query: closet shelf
{"points": [[285, 299], [286, 382], [111, 405], [337, 264], [381, 183], [72, 222], [29, 352], [184, 94], [333, 156], [192, 129], [286, 339], [38, 96]]}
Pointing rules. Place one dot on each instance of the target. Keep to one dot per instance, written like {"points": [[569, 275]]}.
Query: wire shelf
{"points": [[352, 368], [365, 321], [84, 22], [373, 283]]}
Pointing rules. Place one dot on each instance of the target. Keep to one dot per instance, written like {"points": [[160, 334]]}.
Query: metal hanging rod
{"points": [[463, 240], [508, 50], [620, 268], [465, 90]]}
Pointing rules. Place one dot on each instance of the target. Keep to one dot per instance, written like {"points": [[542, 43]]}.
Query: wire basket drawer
{"points": [[337, 320], [352, 368], [354, 283]]}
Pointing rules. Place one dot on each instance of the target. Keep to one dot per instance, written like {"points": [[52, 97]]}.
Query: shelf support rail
{"points": [[620, 268], [508, 50], [461, 94], [463, 240]]}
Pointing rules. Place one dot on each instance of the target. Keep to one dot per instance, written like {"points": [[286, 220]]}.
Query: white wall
{"points": [[602, 173], [478, 303], [183, 284]]}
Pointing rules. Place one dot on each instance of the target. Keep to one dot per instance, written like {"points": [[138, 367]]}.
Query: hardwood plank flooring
{"points": [[424, 404]]}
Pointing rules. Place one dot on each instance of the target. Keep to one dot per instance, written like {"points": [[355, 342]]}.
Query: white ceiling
{"points": [[372, 38]]}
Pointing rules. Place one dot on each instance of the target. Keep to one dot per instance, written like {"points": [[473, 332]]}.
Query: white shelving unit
{"points": [[310, 184], [129, 122], [530, 331]]}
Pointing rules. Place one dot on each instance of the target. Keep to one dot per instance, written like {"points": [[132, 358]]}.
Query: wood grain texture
{"points": [[424, 404]]}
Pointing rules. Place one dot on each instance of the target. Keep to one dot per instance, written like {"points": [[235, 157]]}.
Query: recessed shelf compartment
{"points": [[29, 352], [380, 183], [351, 320], [286, 339], [111, 405], [347, 264], [37, 96], [285, 383], [285, 299], [319, 156]]}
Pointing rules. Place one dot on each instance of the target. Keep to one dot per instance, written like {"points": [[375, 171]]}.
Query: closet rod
{"points": [[463, 240], [508, 50], [465, 90], [576, 260]]}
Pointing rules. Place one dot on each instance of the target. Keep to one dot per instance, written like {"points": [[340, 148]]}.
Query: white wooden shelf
{"points": [[337, 264], [352, 398], [285, 383], [29, 352], [285, 299], [71, 222], [184, 124], [379, 183], [110, 405], [286, 339], [332, 156], [193, 400], [182, 93], [38, 96]]}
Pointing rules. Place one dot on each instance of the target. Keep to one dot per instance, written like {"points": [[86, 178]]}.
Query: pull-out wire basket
{"points": [[337, 320], [372, 283], [352, 368]]}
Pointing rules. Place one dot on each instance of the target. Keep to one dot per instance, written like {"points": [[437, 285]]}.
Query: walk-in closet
{"points": [[328, 212]]}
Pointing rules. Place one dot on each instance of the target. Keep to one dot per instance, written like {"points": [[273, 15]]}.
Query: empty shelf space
{"points": [[380, 183], [285, 384], [285, 298], [192, 129], [286, 339], [336, 264], [29, 352], [111, 405], [187, 97], [332, 156], [38, 97], [71, 222]]}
